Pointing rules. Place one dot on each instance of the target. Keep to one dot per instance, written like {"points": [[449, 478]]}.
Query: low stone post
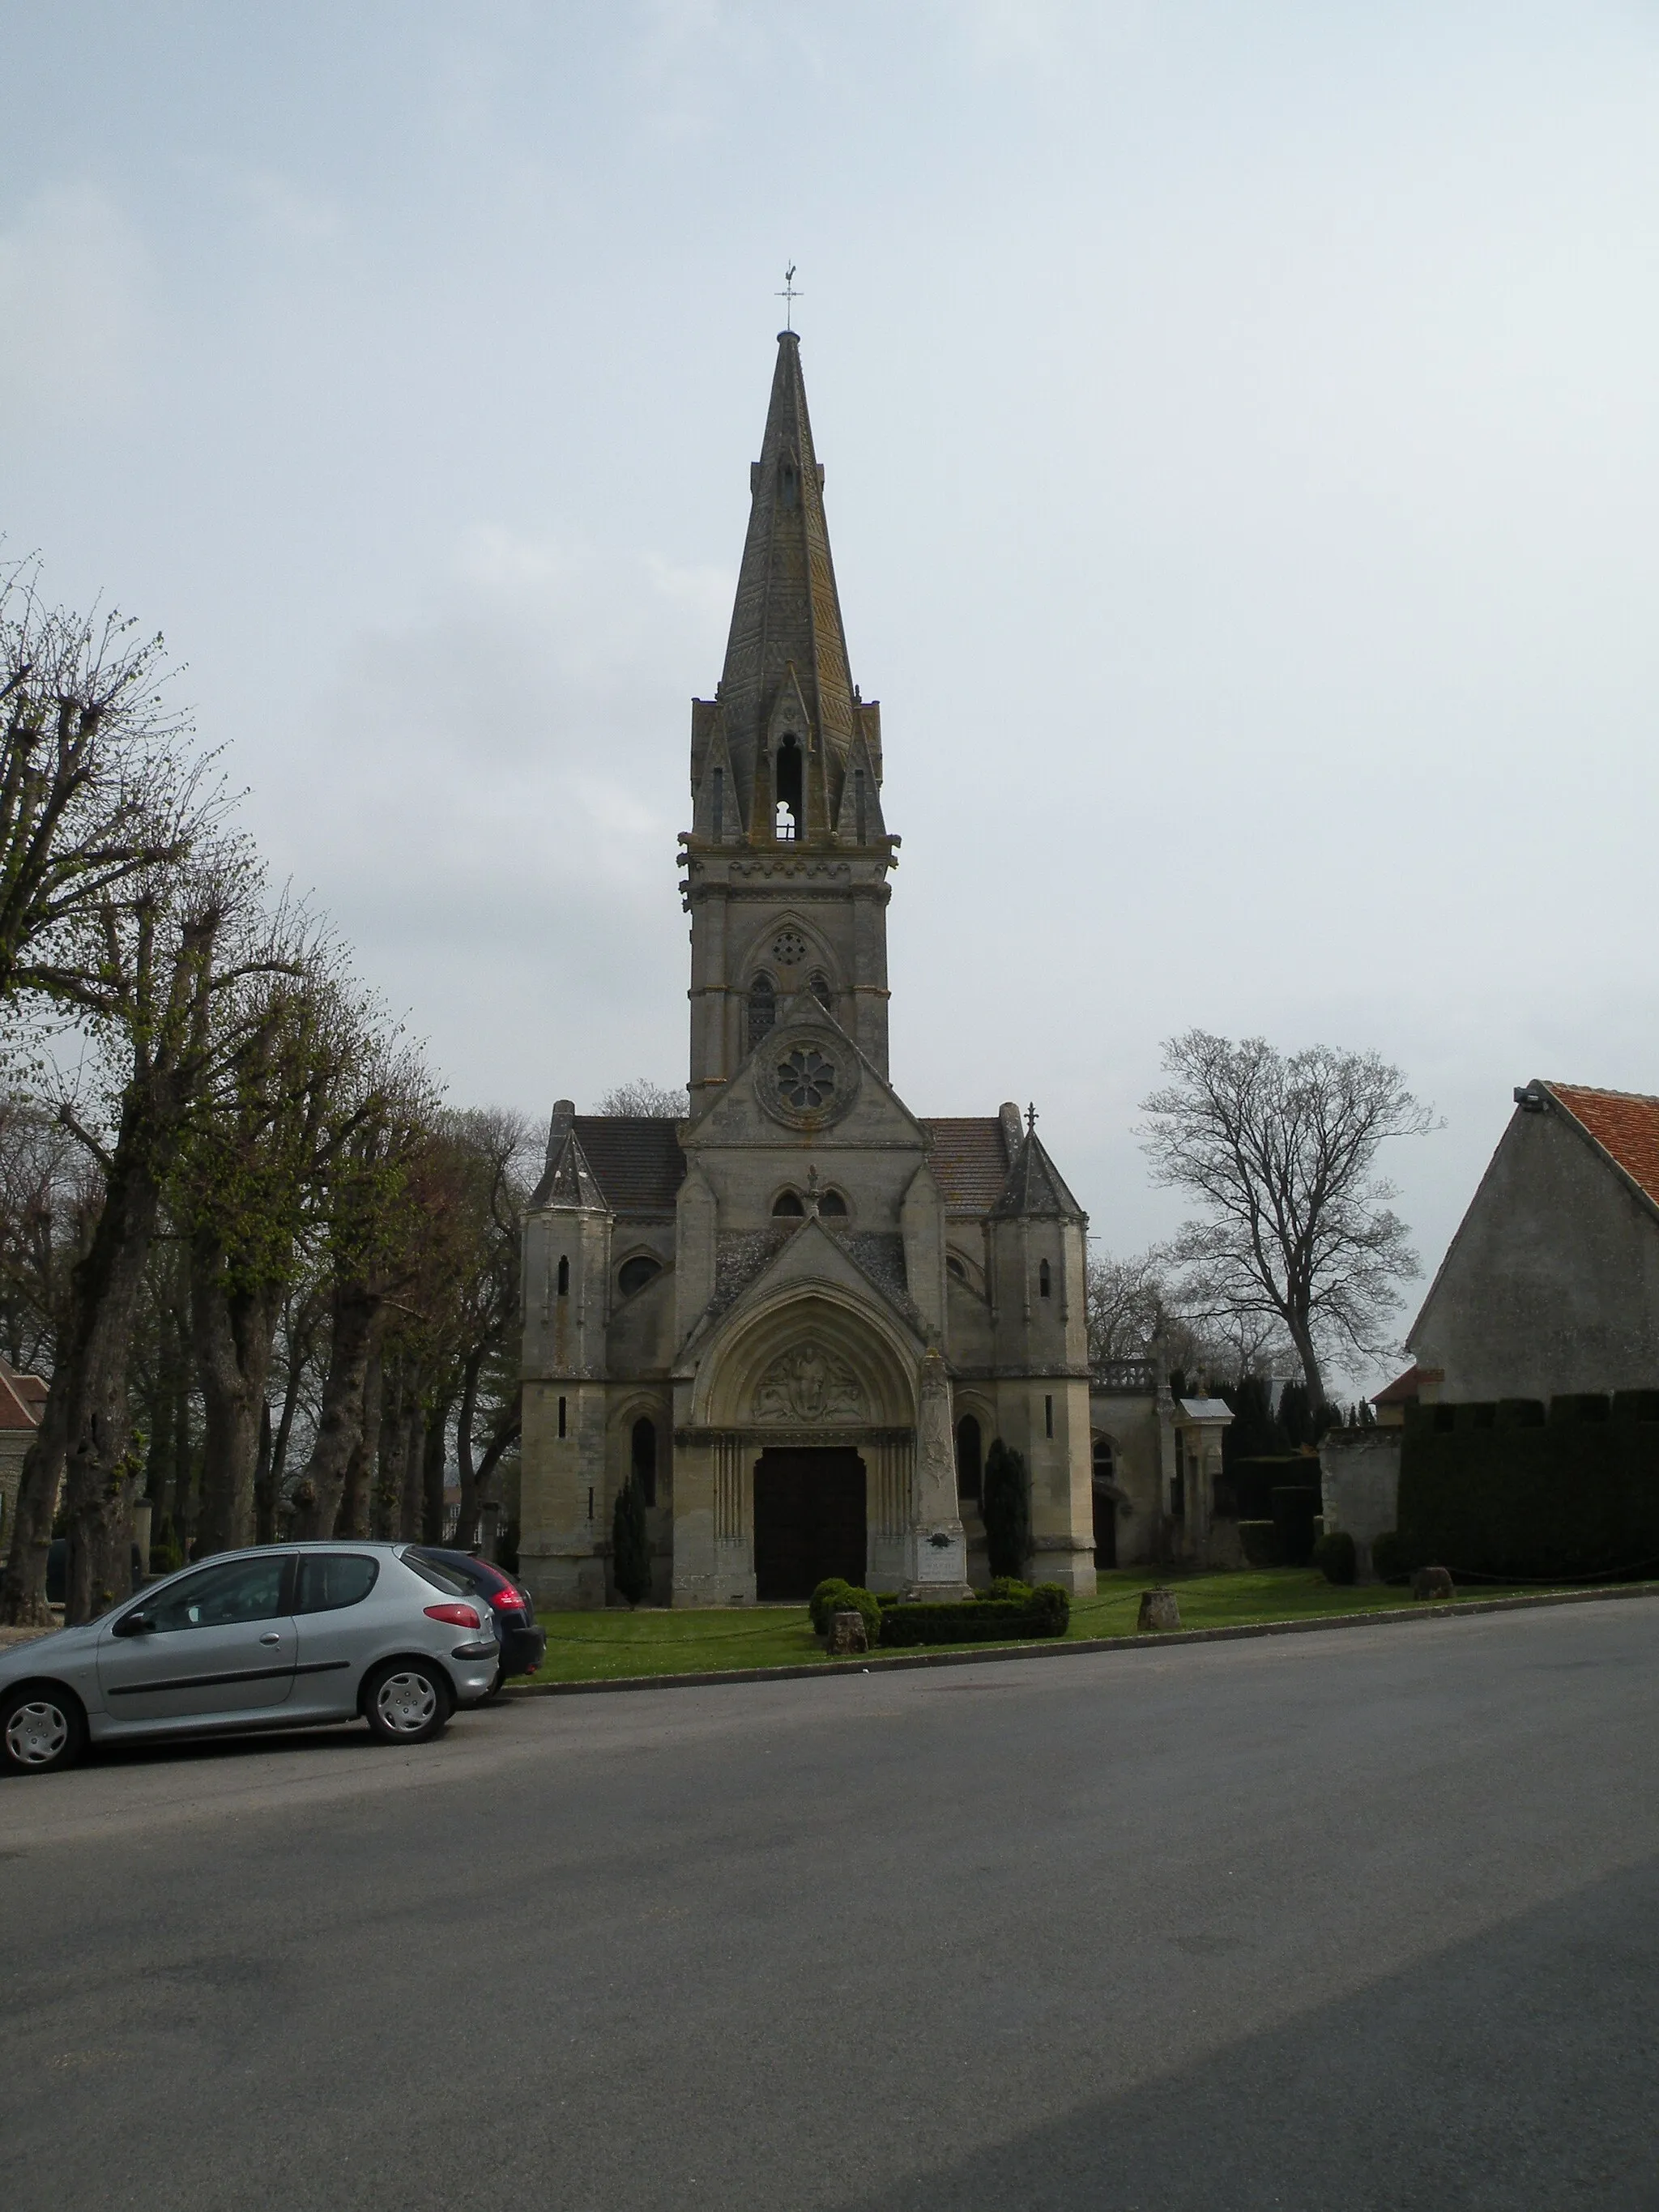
{"points": [[847, 1635], [1160, 1611]]}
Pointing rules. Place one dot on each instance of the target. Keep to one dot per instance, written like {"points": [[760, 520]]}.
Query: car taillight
{"points": [[458, 1616], [513, 1599]]}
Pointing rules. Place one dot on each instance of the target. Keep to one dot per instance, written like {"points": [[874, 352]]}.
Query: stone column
{"points": [[937, 1561]]}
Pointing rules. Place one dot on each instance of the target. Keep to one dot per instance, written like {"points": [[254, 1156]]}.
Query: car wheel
{"points": [[42, 1730], [406, 1701]]}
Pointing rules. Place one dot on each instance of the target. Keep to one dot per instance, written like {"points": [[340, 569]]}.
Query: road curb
{"points": [[978, 1655]]}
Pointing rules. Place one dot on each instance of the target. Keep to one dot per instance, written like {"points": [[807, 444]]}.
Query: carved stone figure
{"points": [[810, 1385]]}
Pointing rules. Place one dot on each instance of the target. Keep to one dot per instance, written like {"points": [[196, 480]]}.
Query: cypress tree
{"points": [[1005, 1506], [630, 1544]]}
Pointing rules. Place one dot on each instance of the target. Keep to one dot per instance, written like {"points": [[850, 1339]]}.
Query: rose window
{"points": [[805, 1078], [789, 948]]}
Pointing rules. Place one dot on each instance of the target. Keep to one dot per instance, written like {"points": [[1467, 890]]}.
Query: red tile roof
{"points": [[1406, 1388], [970, 1162], [1625, 1124], [21, 1397]]}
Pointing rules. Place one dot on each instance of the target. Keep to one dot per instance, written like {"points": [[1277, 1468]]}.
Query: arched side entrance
{"points": [[1104, 1471]]}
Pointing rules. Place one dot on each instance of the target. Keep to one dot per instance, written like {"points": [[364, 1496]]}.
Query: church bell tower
{"points": [[787, 858]]}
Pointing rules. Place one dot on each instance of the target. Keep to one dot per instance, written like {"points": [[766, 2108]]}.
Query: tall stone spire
{"points": [[788, 672], [787, 857]]}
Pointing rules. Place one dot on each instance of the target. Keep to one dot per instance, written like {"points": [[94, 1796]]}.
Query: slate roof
{"points": [[21, 1397], [635, 1158], [1035, 1187], [969, 1160], [1624, 1123]]}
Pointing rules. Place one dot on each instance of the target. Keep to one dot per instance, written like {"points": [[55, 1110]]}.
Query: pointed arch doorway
{"points": [[810, 1520]]}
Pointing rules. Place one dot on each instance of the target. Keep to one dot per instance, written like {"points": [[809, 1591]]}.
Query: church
{"points": [[799, 1318]]}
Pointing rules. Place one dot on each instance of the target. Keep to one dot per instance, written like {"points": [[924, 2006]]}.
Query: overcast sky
{"points": [[1240, 426]]}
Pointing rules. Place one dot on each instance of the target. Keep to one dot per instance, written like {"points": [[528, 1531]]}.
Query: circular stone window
{"points": [[789, 948], [807, 1080]]}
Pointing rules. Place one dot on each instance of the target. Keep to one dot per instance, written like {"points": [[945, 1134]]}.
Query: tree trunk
{"points": [[353, 1517], [389, 1475], [265, 1515], [23, 1589], [467, 1525], [1302, 1338], [432, 1474], [340, 1423], [269, 1498], [101, 1474], [408, 1494], [232, 1334]]}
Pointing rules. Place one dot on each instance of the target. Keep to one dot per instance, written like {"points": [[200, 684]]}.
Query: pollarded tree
{"points": [[98, 786], [1280, 1150], [167, 977]]}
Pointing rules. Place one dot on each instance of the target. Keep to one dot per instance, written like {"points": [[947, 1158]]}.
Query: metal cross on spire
{"points": [[789, 296], [1031, 1120]]}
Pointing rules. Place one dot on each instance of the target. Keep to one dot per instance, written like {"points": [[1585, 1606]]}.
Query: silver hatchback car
{"points": [[287, 1635]]}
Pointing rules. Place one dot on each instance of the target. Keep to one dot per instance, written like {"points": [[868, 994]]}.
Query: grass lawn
{"points": [[596, 1646]]}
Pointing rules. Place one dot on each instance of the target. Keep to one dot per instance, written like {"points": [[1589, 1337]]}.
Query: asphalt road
{"points": [[1369, 1920]]}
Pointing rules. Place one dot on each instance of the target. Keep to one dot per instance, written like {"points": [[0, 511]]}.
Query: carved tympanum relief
{"points": [[808, 1383]]}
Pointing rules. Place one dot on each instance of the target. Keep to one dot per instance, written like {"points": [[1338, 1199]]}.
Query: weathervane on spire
{"points": [[789, 296]]}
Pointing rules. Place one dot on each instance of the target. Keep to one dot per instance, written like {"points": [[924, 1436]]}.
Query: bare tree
{"points": [[643, 1096], [1279, 1150], [97, 786]]}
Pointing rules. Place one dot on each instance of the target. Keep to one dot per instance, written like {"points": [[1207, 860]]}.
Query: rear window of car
{"points": [[441, 1575], [329, 1580]]}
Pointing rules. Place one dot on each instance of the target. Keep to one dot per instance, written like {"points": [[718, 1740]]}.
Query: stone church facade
{"points": [[799, 1317]]}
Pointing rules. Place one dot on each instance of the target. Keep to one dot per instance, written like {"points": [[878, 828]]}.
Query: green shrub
{"points": [[1260, 1542], [1010, 1590], [1006, 1509], [850, 1599], [1295, 1506], [1053, 1602], [1335, 1557], [889, 1597], [818, 1605], [1391, 1556], [978, 1620]]}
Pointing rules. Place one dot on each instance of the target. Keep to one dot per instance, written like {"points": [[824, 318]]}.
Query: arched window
{"points": [[564, 1278], [788, 1204], [832, 1205], [719, 804], [819, 984], [634, 1274], [954, 1266], [1044, 1283], [787, 790], [858, 804], [642, 1455], [1105, 1502], [762, 1007], [970, 1457]]}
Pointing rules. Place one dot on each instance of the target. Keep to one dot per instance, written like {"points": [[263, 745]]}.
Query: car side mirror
{"points": [[134, 1624]]}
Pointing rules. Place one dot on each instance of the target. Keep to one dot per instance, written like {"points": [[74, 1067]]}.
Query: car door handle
{"points": [[273, 1638]]}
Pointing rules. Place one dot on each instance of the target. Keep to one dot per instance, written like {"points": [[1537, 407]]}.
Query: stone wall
{"points": [[1359, 1479]]}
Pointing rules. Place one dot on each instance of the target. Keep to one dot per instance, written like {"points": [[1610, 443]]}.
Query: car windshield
{"points": [[440, 1574]]}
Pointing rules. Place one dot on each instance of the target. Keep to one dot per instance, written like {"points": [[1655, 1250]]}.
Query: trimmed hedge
{"points": [[1260, 1542], [1501, 1490], [1295, 1508], [1335, 1557], [819, 1604], [980, 1620]]}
